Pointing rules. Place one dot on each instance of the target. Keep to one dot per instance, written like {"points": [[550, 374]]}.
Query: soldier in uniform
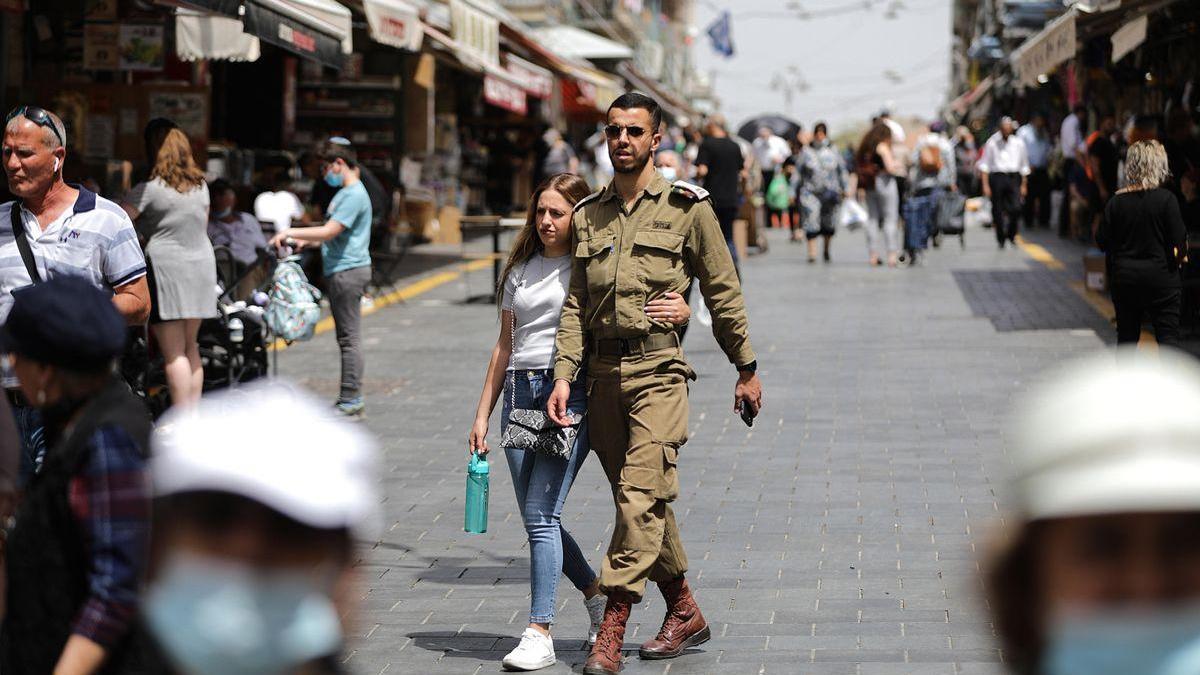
{"points": [[635, 240]]}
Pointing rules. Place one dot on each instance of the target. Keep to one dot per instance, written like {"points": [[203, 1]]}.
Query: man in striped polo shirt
{"points": [[70, 231]]}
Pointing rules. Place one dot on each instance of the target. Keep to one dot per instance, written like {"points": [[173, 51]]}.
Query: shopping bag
{"points": [[852, 215]]}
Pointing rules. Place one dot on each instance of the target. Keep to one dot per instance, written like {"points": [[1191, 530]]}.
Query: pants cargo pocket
{"points": [[668, 483]]}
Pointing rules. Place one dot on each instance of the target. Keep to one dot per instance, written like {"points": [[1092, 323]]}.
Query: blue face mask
{"points": [[334, 179], [1148, 642], [668, 172], [224, 213], [214, 617]]}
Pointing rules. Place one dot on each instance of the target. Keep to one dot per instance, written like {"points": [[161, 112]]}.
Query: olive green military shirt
{"points": [[624, 259]]}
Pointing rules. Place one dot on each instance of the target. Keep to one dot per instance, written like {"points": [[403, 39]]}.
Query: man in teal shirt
{"points": [[346, 263]]}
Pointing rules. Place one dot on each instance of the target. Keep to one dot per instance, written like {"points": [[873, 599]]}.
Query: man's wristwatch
{"points": [[749, 367]]}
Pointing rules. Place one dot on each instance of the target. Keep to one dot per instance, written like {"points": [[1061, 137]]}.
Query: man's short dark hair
{"points": [[219, 186], [331, 151], [820, 128], [634, 100]]}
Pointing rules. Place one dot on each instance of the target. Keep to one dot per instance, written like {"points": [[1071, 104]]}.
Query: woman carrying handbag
{"points": [[543, 458]]}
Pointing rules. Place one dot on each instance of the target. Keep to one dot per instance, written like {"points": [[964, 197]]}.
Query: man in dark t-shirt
{"points": [[719, 166], [1104, 159]]}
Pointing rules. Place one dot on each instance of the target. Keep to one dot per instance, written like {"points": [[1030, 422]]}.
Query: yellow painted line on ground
{"points": [[1040, 254], [408, 292]]}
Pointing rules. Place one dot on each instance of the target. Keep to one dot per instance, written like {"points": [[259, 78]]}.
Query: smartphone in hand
{"points": [[747, 413]]}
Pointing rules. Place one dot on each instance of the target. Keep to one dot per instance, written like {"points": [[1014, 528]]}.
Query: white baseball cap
{"points": [[1110, 434], [275, 444]]}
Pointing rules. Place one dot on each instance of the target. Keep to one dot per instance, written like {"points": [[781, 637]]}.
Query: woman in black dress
{"points": [[1144, 239]]}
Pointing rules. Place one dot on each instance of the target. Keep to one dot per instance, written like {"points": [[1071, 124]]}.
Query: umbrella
{"points": [[782, 126]]}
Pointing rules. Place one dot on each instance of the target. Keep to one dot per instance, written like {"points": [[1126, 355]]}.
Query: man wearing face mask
{"points": [[61, 230], [239, 232], [719, 166], [253, 543], [638, 239], [345, 240], [1099, 576]]}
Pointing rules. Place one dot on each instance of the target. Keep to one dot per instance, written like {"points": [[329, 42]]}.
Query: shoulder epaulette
{"points": [[579, 204], [694, 192]]}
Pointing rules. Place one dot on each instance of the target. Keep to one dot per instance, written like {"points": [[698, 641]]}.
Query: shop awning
{"points": [[968, 99], [201, 36], [1045, 50], [395, 23], [575, 42], [590, 89], [314, 29]]}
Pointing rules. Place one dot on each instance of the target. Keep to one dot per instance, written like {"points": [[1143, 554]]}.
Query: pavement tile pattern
{"points": [[843, 534]]}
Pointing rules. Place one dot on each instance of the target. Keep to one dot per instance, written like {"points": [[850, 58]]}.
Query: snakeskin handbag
{"points": [[530, 429]]}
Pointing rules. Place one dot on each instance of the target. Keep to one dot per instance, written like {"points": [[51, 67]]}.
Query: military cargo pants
{"points": [[638, 410]]}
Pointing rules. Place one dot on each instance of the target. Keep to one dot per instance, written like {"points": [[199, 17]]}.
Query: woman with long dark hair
{"points": [[877, 169], [533, 289]]}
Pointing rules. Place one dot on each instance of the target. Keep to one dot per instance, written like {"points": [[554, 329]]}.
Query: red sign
{"points": [[299, 40], [502, 94]]}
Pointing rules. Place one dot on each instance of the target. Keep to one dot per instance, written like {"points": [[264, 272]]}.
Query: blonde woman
{"points": [[170, 212], [1144, 239], [534, 286]]}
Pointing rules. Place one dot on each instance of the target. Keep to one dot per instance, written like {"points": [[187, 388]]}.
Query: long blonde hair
{"points": [[1146, 165], [174, 164], [527, 242]]}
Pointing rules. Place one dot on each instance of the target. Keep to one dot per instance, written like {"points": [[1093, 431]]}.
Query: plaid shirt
{"points": [[110, 499]]}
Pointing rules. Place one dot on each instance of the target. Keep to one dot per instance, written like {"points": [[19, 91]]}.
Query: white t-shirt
{"points": [[279, 208], [540, 287], [770, 152]]}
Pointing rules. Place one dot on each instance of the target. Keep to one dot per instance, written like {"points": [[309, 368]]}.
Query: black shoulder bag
{"points": [[22, 239]]}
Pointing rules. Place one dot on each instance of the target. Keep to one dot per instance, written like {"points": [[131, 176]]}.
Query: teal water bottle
{"points": [[477, 495]]}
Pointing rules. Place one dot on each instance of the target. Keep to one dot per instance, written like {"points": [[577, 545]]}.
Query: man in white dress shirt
{"points": [[1005, 170]]}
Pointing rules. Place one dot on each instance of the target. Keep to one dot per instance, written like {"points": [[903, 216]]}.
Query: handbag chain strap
{"points": [[512, 339]]}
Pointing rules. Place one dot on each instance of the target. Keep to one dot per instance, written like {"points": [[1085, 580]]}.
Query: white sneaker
{"points": [[536, 651], [595, 609]]}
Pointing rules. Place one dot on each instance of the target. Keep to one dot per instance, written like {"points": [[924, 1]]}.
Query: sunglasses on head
{"points": [[38, 116], [613, 131]]}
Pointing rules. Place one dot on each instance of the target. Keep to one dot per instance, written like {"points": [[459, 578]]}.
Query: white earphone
{"points": [[56, 164]]}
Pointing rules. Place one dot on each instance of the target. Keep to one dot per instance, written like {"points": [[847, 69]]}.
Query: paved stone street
{"points": [[843, 534]]}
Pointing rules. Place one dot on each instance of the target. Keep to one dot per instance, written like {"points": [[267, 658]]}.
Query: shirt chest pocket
{"points": [[597, 255], [659, 256]]}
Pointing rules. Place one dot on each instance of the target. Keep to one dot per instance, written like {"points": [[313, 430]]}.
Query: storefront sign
{"points": [[141, 47], [535, 80], [395, 23], [101, 46], [1045, 51], [1129, 37], [187, 109], [503, 94], [475, 31]]}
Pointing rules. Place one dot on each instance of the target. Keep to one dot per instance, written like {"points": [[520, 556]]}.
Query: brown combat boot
{"points": [[683, 627], [605, 658]]}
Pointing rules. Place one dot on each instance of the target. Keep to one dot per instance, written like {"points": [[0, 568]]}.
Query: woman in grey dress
{"points": [[170, 211]]}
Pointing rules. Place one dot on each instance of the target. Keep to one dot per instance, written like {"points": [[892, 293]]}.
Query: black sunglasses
{"points": [[38, 116], [613, 131]]}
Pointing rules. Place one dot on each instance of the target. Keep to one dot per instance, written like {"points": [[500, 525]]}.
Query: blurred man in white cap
{"points": [[255, 525], [1103, 575]]}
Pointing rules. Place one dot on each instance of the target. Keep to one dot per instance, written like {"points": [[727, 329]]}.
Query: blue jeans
{"points": [[33, 441], [542, 483]]}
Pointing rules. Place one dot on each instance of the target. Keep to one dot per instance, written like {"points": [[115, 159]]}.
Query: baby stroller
{"points": [[233, 346]]}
